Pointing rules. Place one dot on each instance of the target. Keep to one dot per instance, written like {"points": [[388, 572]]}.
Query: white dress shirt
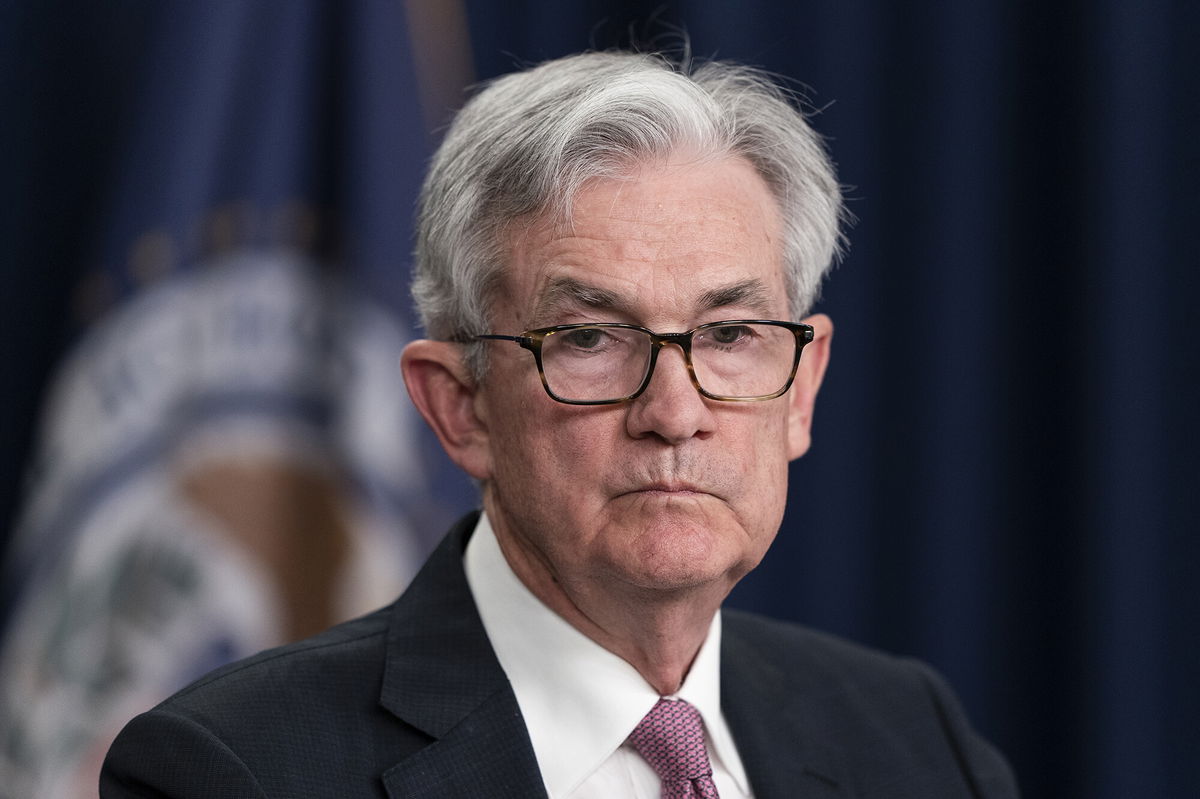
{"points": [[580, 701]]}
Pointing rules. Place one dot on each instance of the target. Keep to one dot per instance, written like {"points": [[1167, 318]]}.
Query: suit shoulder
{"points": [[890, 712], [831, 670], [303, 719], [341, 656]]}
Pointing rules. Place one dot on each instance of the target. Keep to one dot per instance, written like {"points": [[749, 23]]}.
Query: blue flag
{"points": [[227, 459]]}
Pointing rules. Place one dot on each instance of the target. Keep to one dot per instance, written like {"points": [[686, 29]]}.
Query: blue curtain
{"points": [[1004, 473]]}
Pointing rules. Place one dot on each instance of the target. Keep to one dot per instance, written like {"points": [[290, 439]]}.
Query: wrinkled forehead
{"points": [[676, 240]]}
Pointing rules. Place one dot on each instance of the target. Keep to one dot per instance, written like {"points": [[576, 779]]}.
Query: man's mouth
{"points": [[669, 489]]}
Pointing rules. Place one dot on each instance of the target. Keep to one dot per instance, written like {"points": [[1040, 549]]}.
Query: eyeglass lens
{"points": [[742, 360]]}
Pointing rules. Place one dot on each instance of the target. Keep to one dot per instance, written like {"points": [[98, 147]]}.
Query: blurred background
{"points": [[207, 448]]}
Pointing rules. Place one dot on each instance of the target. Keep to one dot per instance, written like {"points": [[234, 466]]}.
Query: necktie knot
{"points": [[671, 739]]}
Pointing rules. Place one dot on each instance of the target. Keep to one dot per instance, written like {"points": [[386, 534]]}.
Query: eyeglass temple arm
{"points": [[524, 341]]}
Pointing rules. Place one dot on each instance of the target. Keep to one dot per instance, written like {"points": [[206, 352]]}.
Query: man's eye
{"points": [[730, 334], [585, 338]]}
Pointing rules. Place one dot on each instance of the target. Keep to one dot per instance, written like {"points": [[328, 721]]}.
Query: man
{"points": [[613, 255]]}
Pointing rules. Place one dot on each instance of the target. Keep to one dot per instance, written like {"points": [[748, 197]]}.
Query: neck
{"points": [[661, 645]]}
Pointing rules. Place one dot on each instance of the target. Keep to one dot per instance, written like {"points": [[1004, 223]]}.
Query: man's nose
{"points": [[671, 407]]}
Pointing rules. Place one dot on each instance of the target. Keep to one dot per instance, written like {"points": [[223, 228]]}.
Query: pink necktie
{"points": [[671, 739]]}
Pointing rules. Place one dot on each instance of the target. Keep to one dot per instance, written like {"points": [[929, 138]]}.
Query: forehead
{"points": [[668, 243]]}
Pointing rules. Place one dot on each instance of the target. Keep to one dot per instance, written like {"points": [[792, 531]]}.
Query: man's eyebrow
{"points": [[565, 292], [752, 293]]}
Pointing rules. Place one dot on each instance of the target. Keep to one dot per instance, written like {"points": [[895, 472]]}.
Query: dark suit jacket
{"points": [[410, 701]]}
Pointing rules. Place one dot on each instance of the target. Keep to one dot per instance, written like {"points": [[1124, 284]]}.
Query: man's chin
{"points": [[678, 552], [681, 580]]}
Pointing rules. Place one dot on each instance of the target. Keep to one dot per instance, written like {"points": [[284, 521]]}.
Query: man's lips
{"points": [[667, 489]]}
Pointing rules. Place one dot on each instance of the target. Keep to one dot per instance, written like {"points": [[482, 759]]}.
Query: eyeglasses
{"points": [[741, 360]]}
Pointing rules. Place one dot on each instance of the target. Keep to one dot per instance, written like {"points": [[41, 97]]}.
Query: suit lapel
{"points": [[783, 754], [442, 677], [486, 754]]}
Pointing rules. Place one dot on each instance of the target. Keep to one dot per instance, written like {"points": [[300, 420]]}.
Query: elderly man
{"points": [[615, 255]]}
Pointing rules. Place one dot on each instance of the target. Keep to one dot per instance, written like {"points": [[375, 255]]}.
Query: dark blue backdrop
{"points": [[1005, 471]]}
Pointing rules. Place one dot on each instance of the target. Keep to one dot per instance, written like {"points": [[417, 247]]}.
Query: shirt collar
{"points": [[579, 701]]}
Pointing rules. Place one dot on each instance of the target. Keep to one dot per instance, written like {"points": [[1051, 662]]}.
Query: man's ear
{"points": [[444, 393], [803, 394]]}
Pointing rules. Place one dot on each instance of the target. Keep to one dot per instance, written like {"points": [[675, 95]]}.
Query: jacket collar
{"points": [[442, 678]]}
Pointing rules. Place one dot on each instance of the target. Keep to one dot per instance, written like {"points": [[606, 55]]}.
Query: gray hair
{"points": [[526, 145]]}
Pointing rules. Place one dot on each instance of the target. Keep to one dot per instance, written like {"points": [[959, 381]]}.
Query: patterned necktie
{"points": [[671, 739]]}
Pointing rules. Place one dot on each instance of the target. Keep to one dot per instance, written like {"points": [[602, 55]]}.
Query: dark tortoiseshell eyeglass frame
{"points": [[532, 340]]}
